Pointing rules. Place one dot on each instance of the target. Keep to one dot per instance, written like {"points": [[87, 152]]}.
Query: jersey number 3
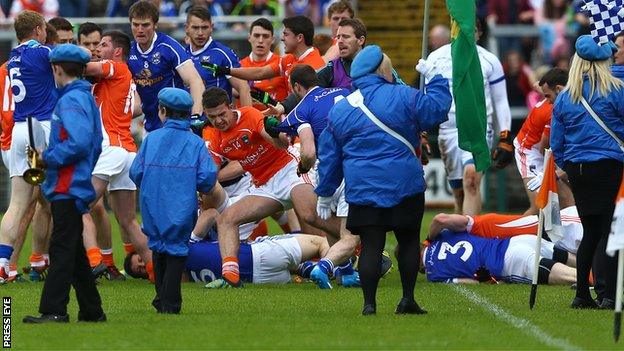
{"points": [[447, 248]]}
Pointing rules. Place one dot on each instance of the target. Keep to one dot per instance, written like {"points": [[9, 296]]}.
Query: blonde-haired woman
{"points": [[592, 159]]}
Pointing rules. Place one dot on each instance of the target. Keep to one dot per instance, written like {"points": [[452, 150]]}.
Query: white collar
{"points": [[251, 57], [305, 53], [199, 51], [150, 47]]}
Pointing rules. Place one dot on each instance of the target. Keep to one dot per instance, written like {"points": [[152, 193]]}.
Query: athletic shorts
{"points": [[274, 257], [572, 230], [113, 167], [280, 185], [6, 158], [519, 265], [528, 161], [455, 158], [239, 188], [18, 162]]}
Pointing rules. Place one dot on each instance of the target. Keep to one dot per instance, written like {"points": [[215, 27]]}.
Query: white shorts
{"points": [[455, 158], [339, 205], [239, 188], [280, 185], [572, 230], [519, 264], [528, 161], [274, 257], [18, 162], [113, 167], [6, 158]]}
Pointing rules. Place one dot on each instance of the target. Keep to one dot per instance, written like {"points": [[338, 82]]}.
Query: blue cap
{"points": [[588, 50], [69, 53], [175, 99], [366, 61]]}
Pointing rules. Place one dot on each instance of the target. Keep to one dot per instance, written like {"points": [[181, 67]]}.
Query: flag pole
{"points": [[617, 322], [425, 40], [538, 245]]}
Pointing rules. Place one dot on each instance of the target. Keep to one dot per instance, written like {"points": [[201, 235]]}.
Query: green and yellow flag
{"points": [[468, 82]]}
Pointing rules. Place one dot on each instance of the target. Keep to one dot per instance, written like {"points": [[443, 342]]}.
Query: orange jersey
{"points": [[536, 124], [310, 57], [114, 95], [243, 142], [6, 114], [493, 225], [277, 87]]}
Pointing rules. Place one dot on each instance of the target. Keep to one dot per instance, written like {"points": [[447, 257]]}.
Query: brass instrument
{"points": [[34, 175]]}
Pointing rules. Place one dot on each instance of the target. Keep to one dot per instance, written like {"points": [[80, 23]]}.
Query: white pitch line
{"points": [[523, 325]]}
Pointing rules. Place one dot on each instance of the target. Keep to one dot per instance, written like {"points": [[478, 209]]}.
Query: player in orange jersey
{"points": [[239, 135], [115, 94]]}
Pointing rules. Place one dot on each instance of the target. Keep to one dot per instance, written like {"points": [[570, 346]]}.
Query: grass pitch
{"points": [[299, 316]]}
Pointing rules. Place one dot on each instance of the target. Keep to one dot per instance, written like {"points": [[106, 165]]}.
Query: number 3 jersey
{"points": [[460, 255], [32, 83], [204, 262]]}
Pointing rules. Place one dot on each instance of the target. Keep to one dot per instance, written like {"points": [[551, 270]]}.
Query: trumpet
{"points": [[34, 175]]}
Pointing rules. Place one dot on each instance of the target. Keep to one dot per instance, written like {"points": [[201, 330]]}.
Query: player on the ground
{"points": [[203, 49], [64, 30], [461, 173], [336, 13], [460, 257], [307, 121], [239, 135], [534, 137], [501, 226], [114, 93], [34, 94], [297, 37], [89, 36], [158, 61]]}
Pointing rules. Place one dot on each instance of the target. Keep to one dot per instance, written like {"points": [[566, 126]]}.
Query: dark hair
{"points": [[128, 267], [340, 6], [214, 97], [554, 77], [322, 42], [358, 26], [26, 22], [72, 69], [199, 12], [51, 35], [88, 28], [61, 23], [262, 22], [301, 25], [144, 9], [304, 75], [121, 40], [174, 114]]}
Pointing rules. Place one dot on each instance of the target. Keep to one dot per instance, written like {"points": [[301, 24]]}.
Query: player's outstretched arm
{"points": [[243, 90], [454, 222], [191, 78], [308, 149], [253, 73]]}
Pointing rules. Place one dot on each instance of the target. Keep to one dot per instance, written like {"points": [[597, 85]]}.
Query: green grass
{"points": [[299, 316]]}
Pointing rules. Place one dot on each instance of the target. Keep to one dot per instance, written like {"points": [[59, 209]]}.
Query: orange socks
{"points": [[229, 270], [37, 260], [128, 248], [107, 257], [95, 256]]}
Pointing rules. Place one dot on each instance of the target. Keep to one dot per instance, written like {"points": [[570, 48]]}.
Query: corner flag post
{"points": [[425, 40], [617, 323], [538, 246]]}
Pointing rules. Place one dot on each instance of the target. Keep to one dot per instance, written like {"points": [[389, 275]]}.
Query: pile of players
{"points": [[260, 117]]}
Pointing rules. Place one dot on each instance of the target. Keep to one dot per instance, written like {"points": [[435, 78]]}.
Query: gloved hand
{"points": [[425, 147], [323, 207], [426, 68], [270, 124], [483, 276], [503, 153], [262, 97], [216, 70], [536, 182], [197, 123]]}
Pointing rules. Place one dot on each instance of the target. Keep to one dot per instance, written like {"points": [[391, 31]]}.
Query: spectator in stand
{"points": [[510, 12], [74, 8], [307, 8], [519, 79], [536, 95], [256, 8], [550, 18], [47, 8], [439, 36]]}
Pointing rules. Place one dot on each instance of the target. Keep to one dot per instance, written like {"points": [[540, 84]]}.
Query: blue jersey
{"points": [[460, 255], [219, 54], [313, 109], [204, 262], [32, 82], [155, 69]]}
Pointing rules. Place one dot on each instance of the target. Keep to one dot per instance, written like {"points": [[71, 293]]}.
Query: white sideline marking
{"points": [[523, 325]]}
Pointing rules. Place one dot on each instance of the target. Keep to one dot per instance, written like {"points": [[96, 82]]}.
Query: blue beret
{"points": [[175, 99], [366, 61], [69, 53], [588, 50]]}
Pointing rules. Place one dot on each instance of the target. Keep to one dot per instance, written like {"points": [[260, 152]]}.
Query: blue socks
{"points": [[6, 251]]}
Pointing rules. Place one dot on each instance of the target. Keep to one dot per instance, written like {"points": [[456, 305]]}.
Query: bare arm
{"points": [[137, 109], [243, 91], [94, 69], [191, 78], [331, 54], [308, 149], [454, 222], [281, 142], [232, 170], [253, 73]]}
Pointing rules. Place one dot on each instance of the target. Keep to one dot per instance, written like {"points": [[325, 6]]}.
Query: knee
{"points": [[471, 183], [227, 218], [309, 217]]}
